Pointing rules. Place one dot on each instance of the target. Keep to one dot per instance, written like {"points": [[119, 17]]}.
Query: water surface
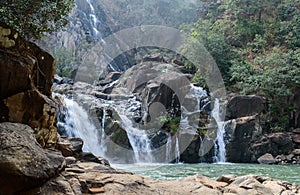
{"points": [[289, 173]]}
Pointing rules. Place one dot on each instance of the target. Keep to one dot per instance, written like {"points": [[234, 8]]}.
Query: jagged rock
{"points": [[91, 178], [296, 152], [296, 131], [240, 133], [296, 139], [227, 178], [36, 110], [274, 143], [241, 106], [25, 85], [24, 164], [69, 146], [154, 58], [266, 159]]}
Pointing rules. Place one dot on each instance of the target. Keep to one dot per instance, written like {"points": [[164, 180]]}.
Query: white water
{"points": [[177, 151], [78, 124], [169, 149], [93, 18], [220, 152], [138, 138]]}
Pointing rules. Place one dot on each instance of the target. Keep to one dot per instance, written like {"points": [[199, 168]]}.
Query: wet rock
{"points": [[266, 159], [24, 164]]}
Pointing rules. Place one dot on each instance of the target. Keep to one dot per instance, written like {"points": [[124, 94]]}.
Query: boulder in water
{"points": [[266, 159]]}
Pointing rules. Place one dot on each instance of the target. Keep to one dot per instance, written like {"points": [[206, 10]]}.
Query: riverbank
{"points": [[96, 178]]}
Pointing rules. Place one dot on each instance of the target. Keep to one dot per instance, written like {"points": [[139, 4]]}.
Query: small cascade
{"points": [[102, 132], [138, 138], [93, 18], [169, 149], [78, 124], [220, 152], [177, 151]]}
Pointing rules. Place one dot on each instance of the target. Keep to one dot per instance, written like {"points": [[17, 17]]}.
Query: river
{"points": [[177, 171]]}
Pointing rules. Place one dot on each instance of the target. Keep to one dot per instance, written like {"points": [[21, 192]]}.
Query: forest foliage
{"points": [[255, 44], [33, 19]]}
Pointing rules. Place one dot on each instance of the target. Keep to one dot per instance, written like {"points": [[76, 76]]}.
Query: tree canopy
{"points": [[256, 45], [35, 18]]}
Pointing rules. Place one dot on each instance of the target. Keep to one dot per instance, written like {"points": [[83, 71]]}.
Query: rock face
{"points": [[241, 106], [25, 85], [240, 132], [24, 164]]}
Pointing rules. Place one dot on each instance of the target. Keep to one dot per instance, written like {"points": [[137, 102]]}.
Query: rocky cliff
{"points": [[27, 74]]}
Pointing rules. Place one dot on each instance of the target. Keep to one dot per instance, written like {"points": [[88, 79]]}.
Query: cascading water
{"points": [[78, 124], [177, 151], [138, 138], [93, 18], [169, 149], [220, 152]]}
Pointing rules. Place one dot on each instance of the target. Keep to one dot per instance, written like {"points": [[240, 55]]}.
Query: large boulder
{"points": [[266, 159], [27, 74], [242, 106], [239, 134], [24, 164]]}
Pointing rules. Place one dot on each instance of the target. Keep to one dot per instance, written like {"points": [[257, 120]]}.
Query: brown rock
{"points": [[69, 146], [24, 163], [226, 178], [296, 152], [296, 131], [296, 138], [211, 183], [274, 187], [26, 80], [266, 159]]}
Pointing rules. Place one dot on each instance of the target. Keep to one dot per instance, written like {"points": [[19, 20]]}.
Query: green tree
{"points": [[35, 18], [256, 45], [65, 61]]}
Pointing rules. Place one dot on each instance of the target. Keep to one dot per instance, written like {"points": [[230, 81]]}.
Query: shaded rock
{"points": [[26, 80], [296, 131], [296, 138], [296, 152], [239, 134], [227, 178], [69, 146], [24, 164], [241, 106], [266, 159], [154, 58], [274, 143]]}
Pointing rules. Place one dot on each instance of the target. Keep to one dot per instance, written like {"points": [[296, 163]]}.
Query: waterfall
{"points": [[138, 138], [93, 18], [177, 151], [220, 152], [78, 124], [169, 148], [103, 137]]}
